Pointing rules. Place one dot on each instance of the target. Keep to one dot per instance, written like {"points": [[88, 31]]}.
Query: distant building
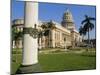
{"points": [[64, 34]]}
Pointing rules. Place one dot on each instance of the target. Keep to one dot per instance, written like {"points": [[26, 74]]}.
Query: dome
{"points": [[67, 21], [67, 13], [67, 16]]}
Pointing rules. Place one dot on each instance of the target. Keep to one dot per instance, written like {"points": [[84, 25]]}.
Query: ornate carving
{"points": [[31, 31]]}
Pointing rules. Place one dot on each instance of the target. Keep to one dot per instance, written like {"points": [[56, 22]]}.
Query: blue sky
{"points": [[54, 11]]}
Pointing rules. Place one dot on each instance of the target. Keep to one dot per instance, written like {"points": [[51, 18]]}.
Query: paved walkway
{"points": [[60, 51]]}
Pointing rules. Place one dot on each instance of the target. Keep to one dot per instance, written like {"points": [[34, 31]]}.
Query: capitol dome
{"points": [[67, 20], [67, 16]]}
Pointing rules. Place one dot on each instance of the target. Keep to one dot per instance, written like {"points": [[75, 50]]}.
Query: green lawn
{"points": [[62, 61]]}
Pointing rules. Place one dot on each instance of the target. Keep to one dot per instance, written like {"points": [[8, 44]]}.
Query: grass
{"points": [[17, 51], [61, 61], [15, 64], [82, 48], [64, 61]]}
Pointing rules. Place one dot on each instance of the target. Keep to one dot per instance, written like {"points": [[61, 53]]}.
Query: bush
{"points": [[16, 52]]}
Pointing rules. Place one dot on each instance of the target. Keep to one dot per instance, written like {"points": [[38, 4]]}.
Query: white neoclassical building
{"points": [[64, 34]]}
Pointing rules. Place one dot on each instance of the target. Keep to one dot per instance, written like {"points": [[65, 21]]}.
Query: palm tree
{"points": [[44, 30], [51, 27], [82, 32], [88, 25], [16, 36], [47, 27], [44, 26]]}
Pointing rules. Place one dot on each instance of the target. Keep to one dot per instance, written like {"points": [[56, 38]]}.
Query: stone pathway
{"points": [[57, 51], [52, 51]]}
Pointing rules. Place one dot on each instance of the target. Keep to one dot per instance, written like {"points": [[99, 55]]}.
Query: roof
{"points": [[58, 25], [61, 27]]}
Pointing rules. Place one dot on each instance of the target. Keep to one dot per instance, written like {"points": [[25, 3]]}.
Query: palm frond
{"points": [[90, 18], [51, 25], [82, 31], [84, 21], [91, 26], [44, 26]]}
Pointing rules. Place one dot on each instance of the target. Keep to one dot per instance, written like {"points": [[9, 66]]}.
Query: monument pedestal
{"points": [[35, 68]]}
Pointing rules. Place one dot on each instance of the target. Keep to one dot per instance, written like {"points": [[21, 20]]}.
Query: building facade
{"points": [[63, 35]]}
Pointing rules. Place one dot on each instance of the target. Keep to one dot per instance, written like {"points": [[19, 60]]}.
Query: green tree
{"points": [[47, 29], [16, 36], [88, 26], [51, 25], [82, 32]]}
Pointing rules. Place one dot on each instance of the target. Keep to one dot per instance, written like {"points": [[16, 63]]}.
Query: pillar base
{"points": [[35, 68]]}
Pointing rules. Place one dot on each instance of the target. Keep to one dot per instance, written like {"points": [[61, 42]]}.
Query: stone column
{"points": [[13, 43], [20, 43], [61, 39], [30, 44], [49, 40], [66, 45], [53, 38], [40, 44], [43, 44]]}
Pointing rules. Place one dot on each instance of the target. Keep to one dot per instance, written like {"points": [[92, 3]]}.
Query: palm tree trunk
{"points": [[16, 51], [50, 39], [88, 38], [83, 38]]}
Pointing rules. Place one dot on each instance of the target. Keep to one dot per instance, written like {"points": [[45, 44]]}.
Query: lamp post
{"points": [[30, 43]]}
